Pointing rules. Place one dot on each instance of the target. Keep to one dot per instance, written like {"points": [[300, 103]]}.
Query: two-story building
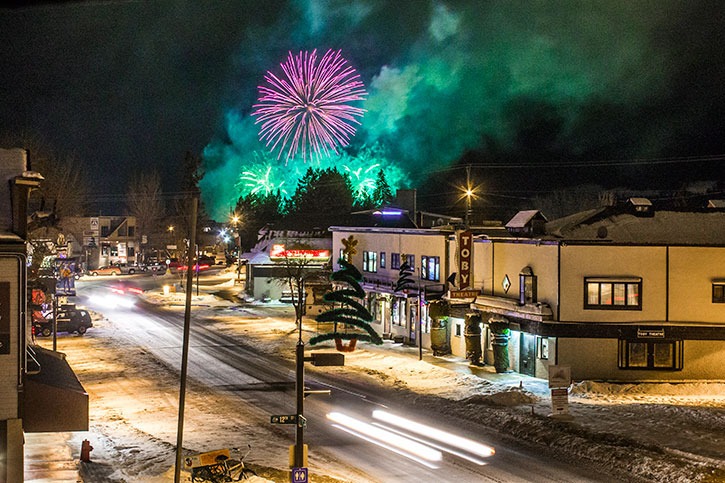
{"points": [[618, 293], [38, 390], [103, 240]]}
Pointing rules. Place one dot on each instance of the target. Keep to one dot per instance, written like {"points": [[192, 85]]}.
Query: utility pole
{"points": [[185, 344], [299, 452]]}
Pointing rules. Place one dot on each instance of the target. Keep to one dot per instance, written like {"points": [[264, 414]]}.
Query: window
{"points": [[398, 312], [458, 330], [382, 259], [613, 293], [527, 286], [430, 268], [718, 292], [343, 255], [653, 355], [131, 230], [395, 261], [542, 348], [410, 259], [370, 261]]}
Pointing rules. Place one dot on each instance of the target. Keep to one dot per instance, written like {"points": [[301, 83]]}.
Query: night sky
{"points": [[534, 95]]}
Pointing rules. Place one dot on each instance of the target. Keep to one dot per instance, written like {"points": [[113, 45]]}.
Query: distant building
{"points": [[103, 240]]}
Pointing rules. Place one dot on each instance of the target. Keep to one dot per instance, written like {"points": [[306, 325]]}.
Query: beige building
{"points": [[621, 293]]}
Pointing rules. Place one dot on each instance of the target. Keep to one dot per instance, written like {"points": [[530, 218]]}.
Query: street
{"points": [[236, 379]]}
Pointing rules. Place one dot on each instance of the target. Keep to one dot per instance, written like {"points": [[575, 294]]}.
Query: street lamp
{"points": [[235, 221]]}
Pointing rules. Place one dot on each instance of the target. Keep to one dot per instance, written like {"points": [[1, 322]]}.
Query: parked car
{"points": [[105, 270], [69, 320], [127, 269], [154, 266], [207, 260]]}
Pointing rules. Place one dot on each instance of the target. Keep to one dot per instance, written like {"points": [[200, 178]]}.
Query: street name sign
{"points": [[283, 419]]}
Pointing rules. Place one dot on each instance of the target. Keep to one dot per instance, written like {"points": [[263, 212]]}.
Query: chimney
{"points": [[407, 200]]}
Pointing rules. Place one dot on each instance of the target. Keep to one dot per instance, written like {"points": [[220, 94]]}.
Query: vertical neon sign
{"points": [[465, 238]]}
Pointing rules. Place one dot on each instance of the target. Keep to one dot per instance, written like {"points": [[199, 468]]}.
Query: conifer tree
{"points": [[351, 312], [382, 195]]}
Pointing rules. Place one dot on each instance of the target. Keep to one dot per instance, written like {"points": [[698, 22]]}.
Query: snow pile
{"points": [[646, 432]]}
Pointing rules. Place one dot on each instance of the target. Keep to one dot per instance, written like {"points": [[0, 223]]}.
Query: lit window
{"points": [[527, 286], [542, 348], [430, 268], [370, 262], [653, 355], [613, 293], [382, 259]]}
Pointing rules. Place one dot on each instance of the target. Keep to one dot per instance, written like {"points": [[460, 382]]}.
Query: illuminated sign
{"points": [[278, 252], [651, 333], [464, 294], [465, 238]]}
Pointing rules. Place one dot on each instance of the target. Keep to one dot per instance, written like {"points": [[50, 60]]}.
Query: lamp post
{"points": [[171, 238], [469, 194], [235, 222]]}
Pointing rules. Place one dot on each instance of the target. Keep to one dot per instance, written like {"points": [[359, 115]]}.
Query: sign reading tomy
{"points": [[465, 238]]}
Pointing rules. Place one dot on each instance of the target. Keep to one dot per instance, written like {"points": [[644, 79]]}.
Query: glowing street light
{"points": [[235, 222]]}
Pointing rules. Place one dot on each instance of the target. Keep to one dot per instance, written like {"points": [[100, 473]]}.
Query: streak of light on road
{"points": [[436, 434], [387, 439]]}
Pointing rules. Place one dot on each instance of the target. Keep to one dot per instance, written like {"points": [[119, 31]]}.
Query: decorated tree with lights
{"points": [[350, 314]]}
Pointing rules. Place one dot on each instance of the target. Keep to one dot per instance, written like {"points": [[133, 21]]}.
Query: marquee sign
{"points": [[278, 252], [465, 238]]}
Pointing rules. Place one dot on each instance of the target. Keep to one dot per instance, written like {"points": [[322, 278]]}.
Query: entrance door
{"points": [[527, 354]]}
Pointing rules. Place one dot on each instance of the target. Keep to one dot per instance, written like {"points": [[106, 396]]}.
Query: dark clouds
{"points": [[129, 85]]}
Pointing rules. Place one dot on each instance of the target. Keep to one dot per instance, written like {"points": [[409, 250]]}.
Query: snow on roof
{"points": [[522, 218], [665, 227], [716, 204]]}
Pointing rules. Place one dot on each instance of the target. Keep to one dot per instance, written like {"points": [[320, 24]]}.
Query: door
{"points": [[527, 354]]}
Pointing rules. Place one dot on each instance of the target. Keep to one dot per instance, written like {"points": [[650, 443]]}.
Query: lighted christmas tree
{"points": [[350, 313]]}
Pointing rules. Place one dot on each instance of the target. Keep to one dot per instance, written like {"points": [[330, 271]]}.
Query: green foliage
{"points": [[258, 209], [322, 198], [382, 194], [351, 312]]}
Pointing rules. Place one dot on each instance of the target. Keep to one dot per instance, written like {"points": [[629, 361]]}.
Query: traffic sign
{"points": [[299, 475], [283, 419]]}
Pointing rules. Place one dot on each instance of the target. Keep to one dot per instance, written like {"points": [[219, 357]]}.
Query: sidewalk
{"points": [[51, 457]]}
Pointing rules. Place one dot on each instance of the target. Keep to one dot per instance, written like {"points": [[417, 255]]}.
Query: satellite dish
{"points": [[602, 232]]}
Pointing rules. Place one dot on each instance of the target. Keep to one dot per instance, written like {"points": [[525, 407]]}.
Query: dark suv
{"points": [[69, 320]]}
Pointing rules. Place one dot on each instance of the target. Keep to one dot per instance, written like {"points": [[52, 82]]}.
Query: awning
{"points": [[537, 312], [53, 398]]}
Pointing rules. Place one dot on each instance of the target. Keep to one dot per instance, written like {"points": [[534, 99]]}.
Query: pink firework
{"points": [[308, 110]]}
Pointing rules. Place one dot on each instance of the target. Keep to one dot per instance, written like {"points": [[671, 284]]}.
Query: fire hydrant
{"points": [[86, 449]]}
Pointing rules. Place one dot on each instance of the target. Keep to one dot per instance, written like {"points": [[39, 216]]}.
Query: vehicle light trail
{"points": [[437, 446], [444, 437], [390, 440]]}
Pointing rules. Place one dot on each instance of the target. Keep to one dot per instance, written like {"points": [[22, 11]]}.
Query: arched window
{"points": [[527, 286]]}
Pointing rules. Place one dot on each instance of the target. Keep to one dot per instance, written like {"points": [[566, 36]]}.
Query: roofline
{"points": [[381, 229]]}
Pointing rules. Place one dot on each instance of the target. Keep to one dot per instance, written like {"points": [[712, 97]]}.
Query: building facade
{"points": [[38, 390], [614, 293]]}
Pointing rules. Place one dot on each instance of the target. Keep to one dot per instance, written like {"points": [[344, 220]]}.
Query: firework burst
{"points": [[308, 111]]}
